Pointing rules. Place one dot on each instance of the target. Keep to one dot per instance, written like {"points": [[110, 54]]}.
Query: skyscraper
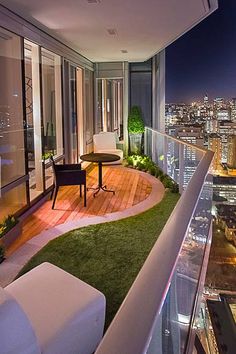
{"points": [[231, 157], [214, 144]]}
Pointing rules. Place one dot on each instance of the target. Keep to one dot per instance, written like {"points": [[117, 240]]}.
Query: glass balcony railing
{"points": [[158, 314]]}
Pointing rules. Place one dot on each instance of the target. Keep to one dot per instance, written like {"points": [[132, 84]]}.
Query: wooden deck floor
{"points": [[130, 189]]}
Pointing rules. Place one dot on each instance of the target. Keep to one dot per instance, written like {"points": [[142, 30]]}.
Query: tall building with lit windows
{"points": [[231, 157], [233, 110], [215, 144]]}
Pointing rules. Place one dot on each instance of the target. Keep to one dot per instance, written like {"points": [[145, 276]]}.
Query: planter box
{"points": [[11, 235], [135, 141]]}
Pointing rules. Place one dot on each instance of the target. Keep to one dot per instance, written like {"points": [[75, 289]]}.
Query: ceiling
{"points": [[141, 28]]}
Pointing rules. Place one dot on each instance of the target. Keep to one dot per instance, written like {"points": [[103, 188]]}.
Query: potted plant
{"points": [[10, 229], [135, 129]]}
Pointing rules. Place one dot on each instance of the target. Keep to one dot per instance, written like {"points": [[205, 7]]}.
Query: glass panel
{"points": [[49, 176], [192, 158], [12, 201], [173, 159], [141, 94], [33, 118], [52, 105], [173, 323], [12, 150], [110, 106], [73, 151]]}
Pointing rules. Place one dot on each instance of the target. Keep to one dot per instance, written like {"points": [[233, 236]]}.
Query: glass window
{"points": [[141, 94], [73, 116], [141, 88], [110, 105], [33, 119], [12, 201], [88, 118], [52, 103], [11, 111]]}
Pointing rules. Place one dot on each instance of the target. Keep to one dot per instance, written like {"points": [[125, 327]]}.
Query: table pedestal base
{"points": [[98, 188]]}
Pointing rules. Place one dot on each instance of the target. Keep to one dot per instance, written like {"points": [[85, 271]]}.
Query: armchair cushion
{"points": [[105, 142]]}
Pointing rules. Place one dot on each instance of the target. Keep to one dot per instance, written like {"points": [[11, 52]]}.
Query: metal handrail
{"points": [[131, 330], [179, 141]]}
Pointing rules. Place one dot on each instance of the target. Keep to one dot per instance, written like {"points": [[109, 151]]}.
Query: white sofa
{"points": [[50, 311], [106, 142]]}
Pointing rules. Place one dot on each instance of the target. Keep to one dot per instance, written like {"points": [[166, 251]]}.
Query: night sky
{"points": [[204, 59]]}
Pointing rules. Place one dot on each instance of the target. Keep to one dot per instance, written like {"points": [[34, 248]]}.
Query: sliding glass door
{"points": [[43, 103], [110, 105], [52, 136], [12, 147], [33, 119]]}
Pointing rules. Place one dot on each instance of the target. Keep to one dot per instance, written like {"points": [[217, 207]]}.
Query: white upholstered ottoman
{"points": [[66, 314]]}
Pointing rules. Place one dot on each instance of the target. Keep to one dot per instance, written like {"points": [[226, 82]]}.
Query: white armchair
{"points": [[105, 142], [49, 311]]}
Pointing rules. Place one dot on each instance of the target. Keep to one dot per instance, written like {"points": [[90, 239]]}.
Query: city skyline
{"points": [[212, 48]]}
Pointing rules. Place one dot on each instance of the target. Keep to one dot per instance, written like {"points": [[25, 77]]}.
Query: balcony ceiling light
{"points": [[112, 31]]}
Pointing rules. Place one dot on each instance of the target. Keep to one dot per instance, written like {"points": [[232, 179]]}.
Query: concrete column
{"points": [[80, 109], [58, 104], [158, 92]]}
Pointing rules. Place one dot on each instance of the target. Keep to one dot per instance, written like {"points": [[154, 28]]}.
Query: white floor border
{"points": [[12, 265]]}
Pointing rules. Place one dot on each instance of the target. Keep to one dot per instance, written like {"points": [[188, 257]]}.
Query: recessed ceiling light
{"points": [[112, 31], [124, 51], [93, 1]]}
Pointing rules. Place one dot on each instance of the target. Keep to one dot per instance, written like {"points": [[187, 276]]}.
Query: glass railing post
{"points": [[145, 141], [181, 168], [165, 150]]}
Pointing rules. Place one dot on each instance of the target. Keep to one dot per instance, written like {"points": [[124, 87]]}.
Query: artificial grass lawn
{"points": [[108, 256]]}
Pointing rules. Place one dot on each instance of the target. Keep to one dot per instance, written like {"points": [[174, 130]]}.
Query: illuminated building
{"points": [[222, 115], [211, 125], [231, 158], [214, 144], [233, 110], [226, 128], [225, 187]]}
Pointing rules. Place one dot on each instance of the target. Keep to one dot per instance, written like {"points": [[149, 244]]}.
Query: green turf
{"points": [[108, 256]]}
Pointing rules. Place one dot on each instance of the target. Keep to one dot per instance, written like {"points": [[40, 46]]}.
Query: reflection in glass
{"points": [[88, 117], [73, 116], [52, 111], [12, 201], [110, 106], [33, 119], [11, 111]]}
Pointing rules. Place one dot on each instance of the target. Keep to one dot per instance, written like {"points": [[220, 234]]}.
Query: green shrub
{"points": [[152, 169], [175, 188], [129, 160], [135, 121], [8, 223], [141, 166], [159, 172], [145, 163], [47, 155]]}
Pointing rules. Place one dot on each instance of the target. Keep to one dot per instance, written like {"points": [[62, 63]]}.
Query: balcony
{"points": [[161, 306]]}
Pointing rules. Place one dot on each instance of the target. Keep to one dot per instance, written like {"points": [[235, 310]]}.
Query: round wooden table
{"points": [[100, 158]]}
